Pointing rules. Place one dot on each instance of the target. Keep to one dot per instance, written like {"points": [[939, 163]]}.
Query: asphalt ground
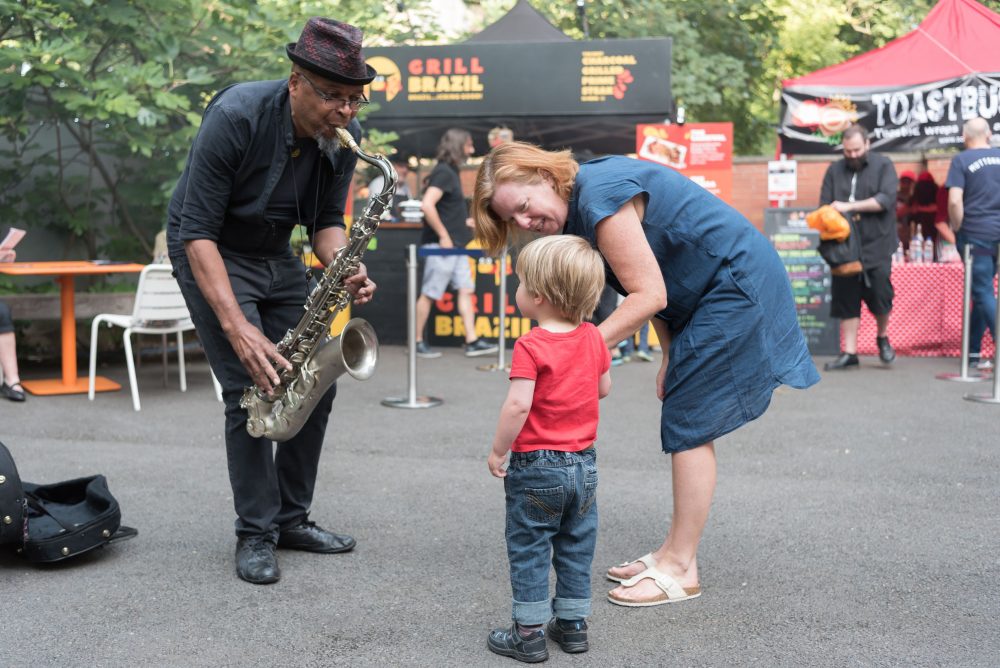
{"points": [[855, 524]]}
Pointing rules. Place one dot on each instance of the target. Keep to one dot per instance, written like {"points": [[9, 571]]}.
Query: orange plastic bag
{"points": [[830, 223]]}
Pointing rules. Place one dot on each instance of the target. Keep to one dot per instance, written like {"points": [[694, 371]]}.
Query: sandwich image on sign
{"points": [[664, 152]]}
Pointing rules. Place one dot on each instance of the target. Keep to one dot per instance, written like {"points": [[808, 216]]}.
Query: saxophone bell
{"points": [[354, 352]]}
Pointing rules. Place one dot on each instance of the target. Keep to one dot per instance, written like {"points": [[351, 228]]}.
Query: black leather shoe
{"points": [[311, 538], [256, 561], [571, 635], [13, 392], [845, 361], [885, 351], [508, 642]]}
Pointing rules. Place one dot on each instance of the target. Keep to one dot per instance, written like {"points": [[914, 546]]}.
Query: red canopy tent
{"points": [[914, 93]]}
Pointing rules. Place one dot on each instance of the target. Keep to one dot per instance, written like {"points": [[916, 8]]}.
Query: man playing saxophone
{"points": [[265, 160]]}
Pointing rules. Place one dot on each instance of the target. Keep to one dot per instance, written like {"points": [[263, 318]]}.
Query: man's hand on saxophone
{"points": [[328, 244], [259, 356], [360, 286]]}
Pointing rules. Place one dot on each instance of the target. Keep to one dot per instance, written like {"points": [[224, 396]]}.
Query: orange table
{"points": [[70, 383]]}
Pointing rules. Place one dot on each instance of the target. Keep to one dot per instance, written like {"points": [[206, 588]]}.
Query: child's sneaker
{"points": [[571, 635], [508, 642], [644, 356]]}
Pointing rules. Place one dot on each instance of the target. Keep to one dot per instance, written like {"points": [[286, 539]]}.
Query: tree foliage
{"points": [[730, 56], [101, 100]]}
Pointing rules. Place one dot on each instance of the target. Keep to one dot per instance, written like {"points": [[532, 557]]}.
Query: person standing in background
{"points": [[447, 225], [974, 210], [903, 193], [863, 186]]}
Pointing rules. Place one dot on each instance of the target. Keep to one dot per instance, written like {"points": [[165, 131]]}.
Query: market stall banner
{"points": [[703, 152], [630, 76], [907, 118]]}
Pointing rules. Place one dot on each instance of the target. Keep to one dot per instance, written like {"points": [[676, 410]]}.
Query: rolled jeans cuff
{"points": [[532, 614], [571, 608]]}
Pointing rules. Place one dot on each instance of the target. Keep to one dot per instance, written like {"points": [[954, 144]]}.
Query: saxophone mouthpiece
{"points": [[346, 140]]}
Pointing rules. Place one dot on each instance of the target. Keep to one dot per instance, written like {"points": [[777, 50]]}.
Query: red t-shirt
{"points": [[566, 368]]}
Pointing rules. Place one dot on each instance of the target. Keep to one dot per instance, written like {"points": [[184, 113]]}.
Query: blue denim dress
{"points": [[730, 309]]}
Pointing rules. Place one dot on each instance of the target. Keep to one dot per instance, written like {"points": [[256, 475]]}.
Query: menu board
{"points": [[809, 275]]}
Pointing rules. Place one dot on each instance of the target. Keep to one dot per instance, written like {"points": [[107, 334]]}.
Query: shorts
{"points": [[440, 270], [847, 293], [6, 321]]}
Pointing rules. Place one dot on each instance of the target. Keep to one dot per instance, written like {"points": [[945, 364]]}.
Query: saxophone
{"points": [[317, 358]]}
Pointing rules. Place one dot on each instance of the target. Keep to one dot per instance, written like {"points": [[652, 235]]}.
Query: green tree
{"points": [[100, 99]]}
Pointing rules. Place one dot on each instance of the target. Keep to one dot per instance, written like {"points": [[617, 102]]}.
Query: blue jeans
{"points": [[551, 516], [984, 301]]}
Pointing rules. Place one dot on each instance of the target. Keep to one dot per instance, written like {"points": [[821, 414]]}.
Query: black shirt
{"points": [[451, 208], [237, 161], [877, 178]]}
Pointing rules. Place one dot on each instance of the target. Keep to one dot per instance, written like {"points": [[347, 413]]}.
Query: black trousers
{"points": [[272, 485]]}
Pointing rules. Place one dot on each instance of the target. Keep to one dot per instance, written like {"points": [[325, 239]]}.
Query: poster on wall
{"points": [[703, 152]]}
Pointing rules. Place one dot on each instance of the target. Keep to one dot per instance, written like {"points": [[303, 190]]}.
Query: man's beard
{"points": [[855, 164], [327, 145]]}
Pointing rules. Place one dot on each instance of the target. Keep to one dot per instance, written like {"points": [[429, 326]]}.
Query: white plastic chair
{"points": [[159, 309]]}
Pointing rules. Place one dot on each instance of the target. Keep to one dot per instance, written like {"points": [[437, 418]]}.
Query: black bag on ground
{"points": [[844, 257], [63, 519], [12, 501]]}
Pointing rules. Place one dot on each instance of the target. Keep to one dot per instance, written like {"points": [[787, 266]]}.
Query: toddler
{"points": [[548, 422]]}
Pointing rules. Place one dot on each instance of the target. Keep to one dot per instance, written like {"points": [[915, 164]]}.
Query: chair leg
{"points": [[163, 357], [131, 369], [93, 357], [180, 361]]}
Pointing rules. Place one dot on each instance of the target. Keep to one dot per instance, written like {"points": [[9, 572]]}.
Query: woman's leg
{"points": [[693, 473], [8, 359]]}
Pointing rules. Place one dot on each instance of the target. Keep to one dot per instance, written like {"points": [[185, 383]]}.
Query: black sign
{"points": [[809, 275], [909, 118], [630, 76]]}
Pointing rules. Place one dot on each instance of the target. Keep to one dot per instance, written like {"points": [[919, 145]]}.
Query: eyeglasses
{"points": [[335, 101]]}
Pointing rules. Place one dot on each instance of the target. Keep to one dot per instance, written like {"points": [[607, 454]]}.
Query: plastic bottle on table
{"points": [[917, 246], [900, 255], [929, 249]]}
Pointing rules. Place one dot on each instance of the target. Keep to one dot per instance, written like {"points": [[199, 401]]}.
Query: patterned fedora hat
{"points": [[332, 50]]}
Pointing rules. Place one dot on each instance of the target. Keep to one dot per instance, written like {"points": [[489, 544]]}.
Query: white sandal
{"points": [[647, 560], [672, 592]]}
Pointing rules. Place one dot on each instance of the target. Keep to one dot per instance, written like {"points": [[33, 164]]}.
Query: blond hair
{"points": [[519, 162], [564, 270]]}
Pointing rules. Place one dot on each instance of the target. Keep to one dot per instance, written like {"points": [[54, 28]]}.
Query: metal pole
{"points": [[995, 397], [963, 376], [411, 400], [501, 364]]}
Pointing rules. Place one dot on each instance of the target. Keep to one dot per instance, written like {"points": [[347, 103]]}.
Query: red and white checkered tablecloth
{"points": [[926, 318]]}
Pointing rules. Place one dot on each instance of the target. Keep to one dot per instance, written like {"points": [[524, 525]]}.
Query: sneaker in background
{"points": [[644, 356], [424, 350], [478, 348]]}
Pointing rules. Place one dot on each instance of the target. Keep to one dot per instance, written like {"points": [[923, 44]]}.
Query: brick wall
{"points": [[750, 179]]}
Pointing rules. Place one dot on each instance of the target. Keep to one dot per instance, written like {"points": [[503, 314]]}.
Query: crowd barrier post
{"points": [[411, 400], [501, 364], [995, 397], [964, 376]]}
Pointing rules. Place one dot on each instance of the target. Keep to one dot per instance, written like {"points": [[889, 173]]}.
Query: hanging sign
{"points": [[703, 152]]}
